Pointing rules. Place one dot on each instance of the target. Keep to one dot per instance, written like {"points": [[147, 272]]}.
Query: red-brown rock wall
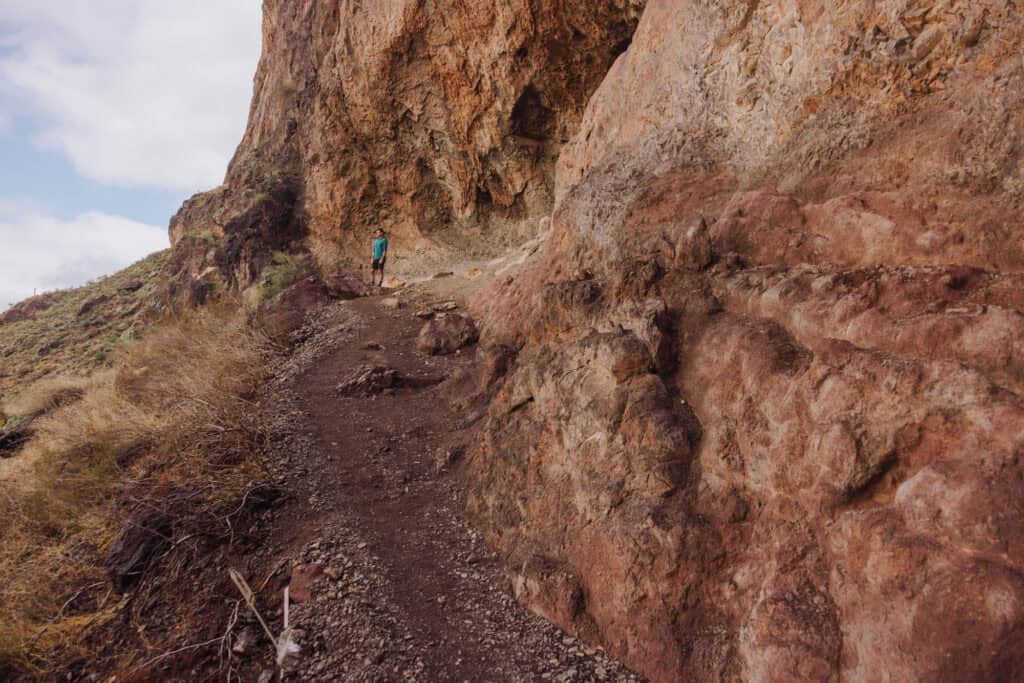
{"points": [[804, 218], [439, 121]]}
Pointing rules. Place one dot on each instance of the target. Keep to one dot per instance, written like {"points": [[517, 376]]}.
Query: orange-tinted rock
{"points": [[303, 579], [434, 120], [445, 334], [766, 416]]}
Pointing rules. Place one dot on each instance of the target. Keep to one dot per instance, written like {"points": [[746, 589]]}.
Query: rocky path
{"points": [[399, 585]]}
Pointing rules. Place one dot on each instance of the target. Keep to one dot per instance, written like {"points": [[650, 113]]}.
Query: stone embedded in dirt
{"points": [[424, 314], [14, 434], [29, 308], [245, 640], [473, 273], [346, 286], [447, 333], [391, 303], [445, 307], [370, 380], [373, 346], [139, 543], [304, 578], [131, 286], [91, 304]]}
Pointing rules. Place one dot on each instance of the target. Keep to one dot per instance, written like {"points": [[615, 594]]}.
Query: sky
{"points": [[112, 112]]}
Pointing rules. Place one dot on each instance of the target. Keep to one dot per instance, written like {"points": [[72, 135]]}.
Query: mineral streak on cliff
{"points": [[764, 417]]}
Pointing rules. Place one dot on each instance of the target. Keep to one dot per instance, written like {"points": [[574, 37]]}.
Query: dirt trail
{"points": [[409, 591]]}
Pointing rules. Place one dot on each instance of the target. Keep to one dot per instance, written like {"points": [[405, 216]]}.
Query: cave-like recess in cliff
{"points": [[444, 129]]}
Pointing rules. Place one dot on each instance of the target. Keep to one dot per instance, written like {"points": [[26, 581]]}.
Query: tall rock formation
{"points": [[439, 121], [764, 420]]}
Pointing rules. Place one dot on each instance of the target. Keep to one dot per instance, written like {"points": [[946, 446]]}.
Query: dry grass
{"points": [[48, 394], [172, 428]]}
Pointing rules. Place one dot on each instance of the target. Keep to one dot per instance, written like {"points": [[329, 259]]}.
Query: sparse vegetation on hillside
{"points": [[77, 331], [285, 270], [150, 467]]}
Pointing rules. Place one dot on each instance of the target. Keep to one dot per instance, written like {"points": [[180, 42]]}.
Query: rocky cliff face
{"points": [[766, 422], [438, 121], [764, 419]]}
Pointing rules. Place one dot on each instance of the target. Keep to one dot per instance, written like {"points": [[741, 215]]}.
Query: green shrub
{"points": [[285, 269]]}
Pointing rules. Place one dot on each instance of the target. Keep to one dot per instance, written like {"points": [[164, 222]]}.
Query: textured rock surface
{"points": [[446, 333], [439, 121], [765, 421], [755, 403]]}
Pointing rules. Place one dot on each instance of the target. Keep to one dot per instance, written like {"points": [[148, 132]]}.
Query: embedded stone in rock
{"points": [[446, 334], [370, 381], [391, 304], [554, 592]]}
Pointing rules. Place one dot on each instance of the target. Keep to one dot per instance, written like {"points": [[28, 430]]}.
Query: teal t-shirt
{"points": [[380, 245]]}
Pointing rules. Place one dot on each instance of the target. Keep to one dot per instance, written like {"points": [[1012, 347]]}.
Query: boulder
{"points": [[346, 286], [447, 333], [287, 312]]}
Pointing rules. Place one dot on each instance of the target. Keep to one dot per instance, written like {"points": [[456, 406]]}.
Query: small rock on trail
{"points": [[447, 333]]}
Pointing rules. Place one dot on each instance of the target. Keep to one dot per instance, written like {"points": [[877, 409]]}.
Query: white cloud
{"points": [[43, 253], [136, 93]]}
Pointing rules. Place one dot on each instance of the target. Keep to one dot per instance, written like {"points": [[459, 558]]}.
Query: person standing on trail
{"points": [[380, 257]]}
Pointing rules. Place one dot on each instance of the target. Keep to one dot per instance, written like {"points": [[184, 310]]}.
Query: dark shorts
{"points": [[378, 264]]}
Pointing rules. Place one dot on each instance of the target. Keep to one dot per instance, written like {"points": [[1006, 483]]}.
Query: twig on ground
{"points": [[165, 655]]}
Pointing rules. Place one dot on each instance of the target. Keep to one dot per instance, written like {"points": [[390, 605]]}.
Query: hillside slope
{"points": [[76, 331], [758, 414]]}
